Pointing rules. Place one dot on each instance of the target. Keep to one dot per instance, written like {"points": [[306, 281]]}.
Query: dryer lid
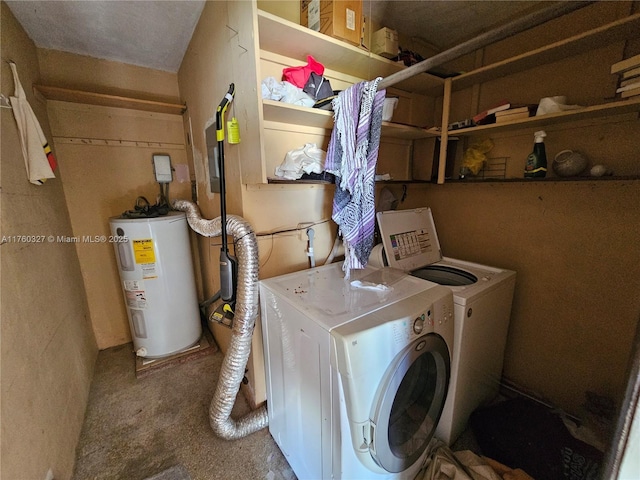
{"points": [[409, 238]]}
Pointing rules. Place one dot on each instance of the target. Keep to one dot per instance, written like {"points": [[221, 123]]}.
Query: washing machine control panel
{"points": [[447, 313]]}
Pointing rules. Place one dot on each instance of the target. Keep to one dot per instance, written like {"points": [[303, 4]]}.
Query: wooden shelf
{"points": [[92, 98], [406, 132], [284, 181], [295, 41], [631, 105], [628, 27], [580, 178], [313, 117], [619, 178], [288, 113]]}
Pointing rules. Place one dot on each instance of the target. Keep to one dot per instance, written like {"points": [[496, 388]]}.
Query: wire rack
{"points": [[494, 168]]}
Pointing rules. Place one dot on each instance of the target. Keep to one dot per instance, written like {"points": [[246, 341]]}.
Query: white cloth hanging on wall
{"points": [[38, 158]]}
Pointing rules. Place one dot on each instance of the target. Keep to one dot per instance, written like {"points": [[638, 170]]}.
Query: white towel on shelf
{"points": [[38, 158]]}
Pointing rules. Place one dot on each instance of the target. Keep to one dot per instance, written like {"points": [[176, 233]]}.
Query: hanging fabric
{"points": [[38, 157], [352, 156]]}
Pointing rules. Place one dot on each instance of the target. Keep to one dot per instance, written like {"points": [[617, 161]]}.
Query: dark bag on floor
{"points": [[524, 434]]}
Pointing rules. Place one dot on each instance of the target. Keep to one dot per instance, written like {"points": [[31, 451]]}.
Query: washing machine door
{"points": [[409, 403]]}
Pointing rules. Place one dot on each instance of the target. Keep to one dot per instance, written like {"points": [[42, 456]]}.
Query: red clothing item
{"points": [[300, 75]]}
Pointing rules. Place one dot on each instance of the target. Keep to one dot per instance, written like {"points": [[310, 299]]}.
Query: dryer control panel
{"points": [[360, 345], [428, 319], [418, 323], [413, 325]]}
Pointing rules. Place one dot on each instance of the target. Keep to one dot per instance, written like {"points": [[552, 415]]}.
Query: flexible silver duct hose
{"points": [[246, 311]]}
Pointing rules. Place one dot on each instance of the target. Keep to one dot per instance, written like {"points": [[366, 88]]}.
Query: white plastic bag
{"points": [[307, 159], [285, 92], [554, 105]]}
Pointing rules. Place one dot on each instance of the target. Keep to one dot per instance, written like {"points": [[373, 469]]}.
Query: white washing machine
{"points": [[482, 297], [357, 373]]}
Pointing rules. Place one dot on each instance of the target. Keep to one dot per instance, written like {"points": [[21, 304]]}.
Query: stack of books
{"points": [[516, 112], [629, 71], [489, 115]]}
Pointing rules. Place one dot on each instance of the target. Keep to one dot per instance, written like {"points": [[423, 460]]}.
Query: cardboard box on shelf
{"points": [[384, 42], [364, 40], [341, 19]]}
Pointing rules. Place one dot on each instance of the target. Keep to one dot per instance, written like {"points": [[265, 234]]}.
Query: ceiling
{"points": [[147, 33], [156, 33], [446, 23]]}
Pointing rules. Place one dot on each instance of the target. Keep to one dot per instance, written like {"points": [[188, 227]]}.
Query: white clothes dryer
{"points": [[482, 298], [357, 370]]}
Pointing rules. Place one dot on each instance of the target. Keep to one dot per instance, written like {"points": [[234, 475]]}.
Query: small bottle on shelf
{"points": [[536, 165]]}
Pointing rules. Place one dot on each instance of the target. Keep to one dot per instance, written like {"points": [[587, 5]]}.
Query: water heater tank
{"points": [[158, 283]]}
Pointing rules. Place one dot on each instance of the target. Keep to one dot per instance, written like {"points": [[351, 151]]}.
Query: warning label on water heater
{"points": [[134, 294], [145, 256], [143, 251]]}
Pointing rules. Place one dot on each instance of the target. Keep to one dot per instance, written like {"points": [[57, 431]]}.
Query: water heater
{"points": [[158, 283]]}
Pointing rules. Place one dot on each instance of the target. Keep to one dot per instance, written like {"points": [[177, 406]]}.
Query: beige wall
{"points": [[203, 84], [204, 78], [48, 347], [574, 247], [575, 308], [105, 164], [69, 70], [213, 60]]}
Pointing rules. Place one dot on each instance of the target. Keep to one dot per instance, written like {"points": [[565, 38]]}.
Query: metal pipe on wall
{"points": [[246, 312]]}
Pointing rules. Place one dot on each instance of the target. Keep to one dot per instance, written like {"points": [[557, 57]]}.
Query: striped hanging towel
{"points": [[352, 156], [38, 157]]}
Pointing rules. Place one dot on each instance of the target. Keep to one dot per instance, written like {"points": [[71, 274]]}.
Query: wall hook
{"points": [[4, 102], [235, 34]]}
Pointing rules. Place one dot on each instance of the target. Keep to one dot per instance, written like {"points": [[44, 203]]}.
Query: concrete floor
{"points": [[137, 429]]}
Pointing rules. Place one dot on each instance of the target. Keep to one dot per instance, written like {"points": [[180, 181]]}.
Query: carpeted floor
{"points": [[157, 427], [177, 472]]}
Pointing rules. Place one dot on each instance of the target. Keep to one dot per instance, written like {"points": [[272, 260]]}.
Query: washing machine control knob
{"points": [[418, 324]]}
